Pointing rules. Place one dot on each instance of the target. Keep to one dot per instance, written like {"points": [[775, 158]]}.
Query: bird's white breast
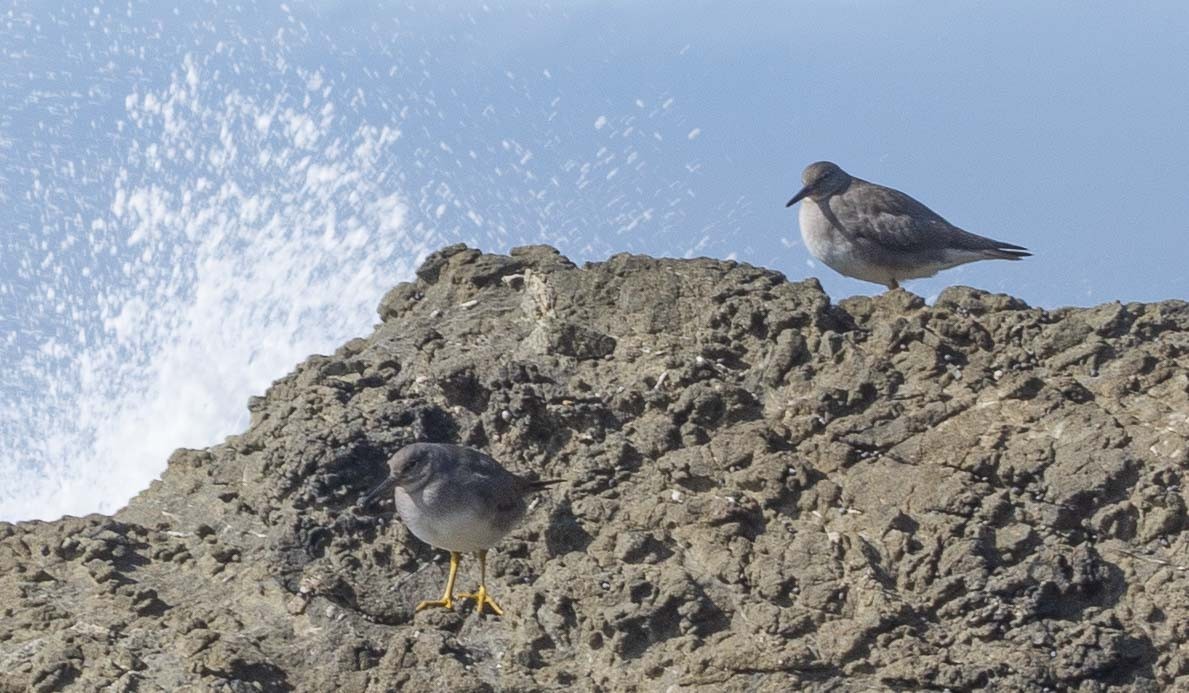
{"points": [[454, 528], [829, 245]]}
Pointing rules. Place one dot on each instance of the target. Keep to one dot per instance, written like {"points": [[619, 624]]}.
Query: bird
{"points": [[460, 500], [881, 235]]}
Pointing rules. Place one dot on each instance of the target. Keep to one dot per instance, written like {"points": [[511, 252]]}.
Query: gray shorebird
{"points": [[457, 499], [877, 234]]}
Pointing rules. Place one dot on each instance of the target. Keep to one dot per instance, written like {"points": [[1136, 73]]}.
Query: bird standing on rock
{"points": [[457, 499], [877, 234]]}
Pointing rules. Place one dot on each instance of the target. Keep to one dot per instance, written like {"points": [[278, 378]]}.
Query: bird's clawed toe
{"points": [[445, 603], [483, 599]]}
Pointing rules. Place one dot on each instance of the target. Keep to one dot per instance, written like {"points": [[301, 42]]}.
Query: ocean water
{"points": [[198, 197]]}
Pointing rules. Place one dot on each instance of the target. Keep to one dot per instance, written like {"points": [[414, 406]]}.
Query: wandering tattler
{"points": [[459, 500], [881, 235]]}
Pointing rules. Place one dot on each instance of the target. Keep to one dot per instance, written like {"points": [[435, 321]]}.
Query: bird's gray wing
{"points": [[490, 481], [895, 221]]}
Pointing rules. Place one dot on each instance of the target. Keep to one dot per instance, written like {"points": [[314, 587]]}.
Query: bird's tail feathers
{"points": [[539, 484], [1007, 252]]}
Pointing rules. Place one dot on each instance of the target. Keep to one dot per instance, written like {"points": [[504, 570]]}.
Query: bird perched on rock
{"points": [[457, 499], [881, 235]]}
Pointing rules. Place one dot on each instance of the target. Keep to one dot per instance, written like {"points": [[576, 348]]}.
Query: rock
{"points": [[761, 490], [568, 339]]}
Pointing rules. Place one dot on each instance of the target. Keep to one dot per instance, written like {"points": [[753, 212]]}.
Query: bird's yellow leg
{"points": [[447, 599], [480, 596]]}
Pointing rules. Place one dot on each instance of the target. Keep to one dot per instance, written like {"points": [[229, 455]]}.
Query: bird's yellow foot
{"points": [[482, 599], [446, 602]]}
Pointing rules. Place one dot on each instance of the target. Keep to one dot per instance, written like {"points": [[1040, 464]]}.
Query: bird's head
{"points": [[412, 465], [820, 179], [410, 468]]}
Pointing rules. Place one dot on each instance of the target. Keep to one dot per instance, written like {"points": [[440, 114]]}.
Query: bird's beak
{"points": [[377, 492], [798, 197]]}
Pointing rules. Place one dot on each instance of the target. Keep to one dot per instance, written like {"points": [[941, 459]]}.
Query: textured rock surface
{"points": [[762, 491]]}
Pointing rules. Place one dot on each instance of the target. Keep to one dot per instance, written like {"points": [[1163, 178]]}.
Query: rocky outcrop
{"points": [[763, 491]]}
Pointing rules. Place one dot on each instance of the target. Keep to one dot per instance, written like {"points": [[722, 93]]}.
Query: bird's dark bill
{"points": [[377, 492], [797, 198]]}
